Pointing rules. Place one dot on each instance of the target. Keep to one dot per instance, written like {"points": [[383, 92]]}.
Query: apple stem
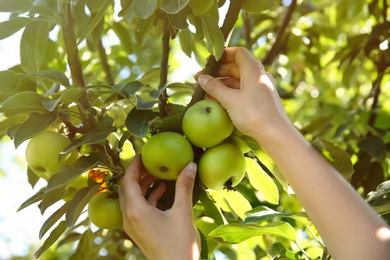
{"points": [[208, 110]]}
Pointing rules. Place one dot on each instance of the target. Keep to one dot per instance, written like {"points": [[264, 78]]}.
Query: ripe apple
{"points": [[200, 7], [222, 167], [166, 154], [206, 225], [207, 123], [43, 150]]}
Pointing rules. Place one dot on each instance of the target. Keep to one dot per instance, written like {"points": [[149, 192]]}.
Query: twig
{"points": [[212, 65], [280, 35]]}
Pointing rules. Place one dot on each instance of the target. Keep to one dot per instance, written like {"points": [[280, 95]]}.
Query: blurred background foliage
{"points": [[330, 61]]}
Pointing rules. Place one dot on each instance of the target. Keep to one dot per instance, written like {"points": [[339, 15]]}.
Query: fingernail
{"points": [[191, 170], [202, 80]]}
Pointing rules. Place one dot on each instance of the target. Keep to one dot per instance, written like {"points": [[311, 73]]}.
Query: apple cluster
{"points": [[206, 125]]}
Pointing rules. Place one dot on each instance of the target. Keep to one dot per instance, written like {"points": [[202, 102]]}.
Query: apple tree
{"points": [[103, 75]]}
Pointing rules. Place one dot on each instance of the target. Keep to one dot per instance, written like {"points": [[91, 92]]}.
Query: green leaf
{"points": [[277, 251], [261, 181], [69, 173], [127, 89], [137, 121], [33, 46], [96, 135], [32, 126], [382, 190], [9, 27], [373, 145], [53, 237], [215, 40], [336, 156], [33, 199], [180, 20], [186, 41], [12, 121], [231, 201], [53, 76], [144, 8], [170, 123], [70, 95], [55, 187], [15, 6], [236, 233], [211, 209], [263, 213], [26, 102], [96, 19], [53, 219], [85, 246], [266, 162], [78, 203], [32, 177], [144, 104], [127, 10], [173, 6], [257, 6], [151, 77]]}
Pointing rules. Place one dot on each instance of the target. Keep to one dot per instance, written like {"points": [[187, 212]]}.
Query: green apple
{"points": [[166, 154], [43, 150], [207, 123], [104, 211], [222, 167], [206, 225], [200, 7]]}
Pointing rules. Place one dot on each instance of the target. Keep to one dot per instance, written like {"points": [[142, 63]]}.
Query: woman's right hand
{"points": [[247, 92]]}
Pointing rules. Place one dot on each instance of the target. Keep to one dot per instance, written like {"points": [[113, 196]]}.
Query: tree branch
{"points": [[164, 67], [212, 65], [74, 62], [104, 62], [376, 88], [280, 35], [72, 52]]}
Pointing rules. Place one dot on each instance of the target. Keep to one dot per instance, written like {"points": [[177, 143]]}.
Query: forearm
{"points": [[342, 217]]}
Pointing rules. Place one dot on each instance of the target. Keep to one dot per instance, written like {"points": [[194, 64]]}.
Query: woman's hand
{"points": [[248, 93], [159, 234]]}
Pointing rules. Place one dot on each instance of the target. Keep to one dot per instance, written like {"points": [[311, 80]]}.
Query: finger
{"points": [[146, 182], [215, 88], [244, 59], [156, 194], [229, 70], [130, 190], [231, 83], [184, 186]]}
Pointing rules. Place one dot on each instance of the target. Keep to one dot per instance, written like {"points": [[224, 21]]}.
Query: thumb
{"points": [[184, 186], [213, 87]]}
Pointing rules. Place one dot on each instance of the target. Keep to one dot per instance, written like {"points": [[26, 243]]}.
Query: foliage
{"points": [[95, 72]]}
